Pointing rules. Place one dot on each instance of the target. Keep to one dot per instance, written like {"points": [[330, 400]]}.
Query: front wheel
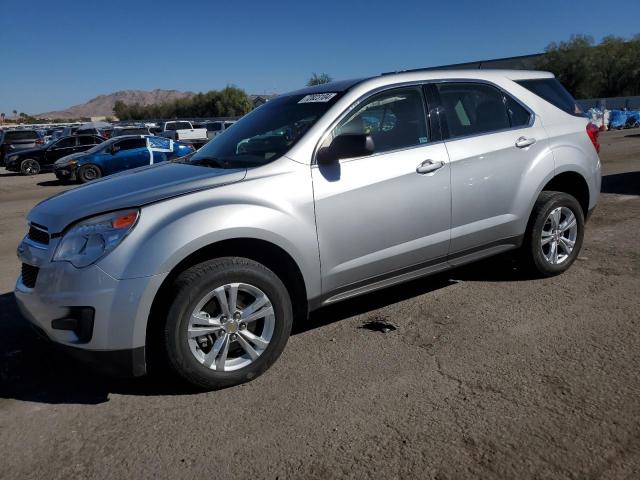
{"points": [[554, 235], [230, 319], [29, 167], [88, 173]]}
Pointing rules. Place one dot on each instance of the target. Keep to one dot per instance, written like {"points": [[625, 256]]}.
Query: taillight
{"points": [[40, 141], [593, 132]]}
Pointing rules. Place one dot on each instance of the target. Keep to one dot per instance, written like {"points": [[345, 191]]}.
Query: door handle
{"points": [[524, 142], [429, 166]]}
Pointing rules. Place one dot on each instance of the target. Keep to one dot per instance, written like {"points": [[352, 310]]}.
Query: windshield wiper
{"points": [[210, 162]]}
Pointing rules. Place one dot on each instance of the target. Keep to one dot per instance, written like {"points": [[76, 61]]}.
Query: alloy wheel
{"points": [[231, 326], [559, 235]]}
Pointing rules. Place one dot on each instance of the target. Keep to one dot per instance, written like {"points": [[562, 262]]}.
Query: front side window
{"points": [[87, 140], [395, 119], [131, 143], [266, 133], [472, 108]]}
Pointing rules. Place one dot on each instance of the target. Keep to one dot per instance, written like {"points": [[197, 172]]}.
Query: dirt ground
{"points": [[489, 374]]}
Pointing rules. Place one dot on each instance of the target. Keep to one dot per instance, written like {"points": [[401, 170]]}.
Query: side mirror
{"points": [[347, 145]]}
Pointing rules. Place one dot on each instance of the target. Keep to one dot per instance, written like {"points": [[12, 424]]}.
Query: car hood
{"points": [[64, 160], [132, 188]]}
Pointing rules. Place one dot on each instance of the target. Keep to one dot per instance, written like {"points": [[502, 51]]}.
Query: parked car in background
{"points": [[118, 154], [121, 131], [215, 128], [183, 131], [14, 140], [35, 160]]}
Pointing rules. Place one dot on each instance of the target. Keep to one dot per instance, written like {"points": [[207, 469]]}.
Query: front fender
{"points": [[171, 230]]}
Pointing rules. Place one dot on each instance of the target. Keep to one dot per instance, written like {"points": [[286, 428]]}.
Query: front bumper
{"points": [[65, 172], [121, 308]]}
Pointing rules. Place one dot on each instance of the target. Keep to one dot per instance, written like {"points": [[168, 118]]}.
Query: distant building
{"points": [[522, 62]]}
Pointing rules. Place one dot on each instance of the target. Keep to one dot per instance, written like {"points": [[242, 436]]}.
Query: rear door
{"points": [[492, 140], [379, 216]]}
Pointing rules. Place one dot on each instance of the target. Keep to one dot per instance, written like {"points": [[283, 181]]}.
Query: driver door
{"points": [[382, 217], [129, 153], [63, 147]]}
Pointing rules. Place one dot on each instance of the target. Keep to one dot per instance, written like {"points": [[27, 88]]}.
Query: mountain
{"points": [[102, 105]]}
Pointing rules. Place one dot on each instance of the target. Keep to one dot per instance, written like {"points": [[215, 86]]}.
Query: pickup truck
{"points": [[183, 131]]}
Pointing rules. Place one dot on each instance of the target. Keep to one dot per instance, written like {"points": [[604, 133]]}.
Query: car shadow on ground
{"points": [[10, 174], [32, 369], [621, 183], [53, 183]]}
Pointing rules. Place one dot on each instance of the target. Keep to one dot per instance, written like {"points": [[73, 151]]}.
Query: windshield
{"points": [[266, 133]]}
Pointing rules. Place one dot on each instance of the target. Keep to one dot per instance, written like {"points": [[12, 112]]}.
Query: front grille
{"points": [[29, 275], [39, 235]]}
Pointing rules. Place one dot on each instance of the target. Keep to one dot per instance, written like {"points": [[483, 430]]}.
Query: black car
{"points": [[16, 140], [35, 160]]}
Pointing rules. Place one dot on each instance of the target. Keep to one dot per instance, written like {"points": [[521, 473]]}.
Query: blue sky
{"points": [[57, 54]]}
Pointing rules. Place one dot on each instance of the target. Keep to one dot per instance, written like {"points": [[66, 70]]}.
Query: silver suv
{"points": [[315, 197]]}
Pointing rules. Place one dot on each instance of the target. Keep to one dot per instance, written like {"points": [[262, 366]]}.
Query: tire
{"points": [[199, 288], [546, 231], [29, 166], [88, 173]]}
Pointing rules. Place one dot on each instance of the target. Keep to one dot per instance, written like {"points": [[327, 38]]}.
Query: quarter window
{"points": [[472, 108], [395, 119]]}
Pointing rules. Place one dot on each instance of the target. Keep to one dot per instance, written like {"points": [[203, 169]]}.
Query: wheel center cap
{"points": [[231, 326]]}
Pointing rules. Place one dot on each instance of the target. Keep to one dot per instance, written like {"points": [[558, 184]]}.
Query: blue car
{"points": [[118, 154]]}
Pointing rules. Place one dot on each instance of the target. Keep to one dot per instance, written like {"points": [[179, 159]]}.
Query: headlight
{"points": [[12, 158], [89, 240]]}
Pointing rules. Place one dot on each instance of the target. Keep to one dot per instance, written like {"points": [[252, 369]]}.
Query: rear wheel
{"points": [[555, 233], [29, 166], [88, 173], [229, 321]]}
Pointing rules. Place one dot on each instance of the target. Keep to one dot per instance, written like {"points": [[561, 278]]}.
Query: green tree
{"points": [[318, 79], [609, 69]]}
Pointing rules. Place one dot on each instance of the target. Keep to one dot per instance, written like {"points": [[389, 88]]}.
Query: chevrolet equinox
{"points": [[317, 196]]}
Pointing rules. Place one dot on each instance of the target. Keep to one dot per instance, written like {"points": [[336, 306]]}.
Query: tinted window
{"points": [[472, 108], [395, 119], [551, 90], [214, 127], [228, 124], [66, 142], [518, 115], [131, 131], [131, 143], [21, 135], [178, 126], [87, 140]]}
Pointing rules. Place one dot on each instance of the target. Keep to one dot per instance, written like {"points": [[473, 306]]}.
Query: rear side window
{"points": [[67, 142], [551, 90], [472, 108], [21, 135], [87, 140]]}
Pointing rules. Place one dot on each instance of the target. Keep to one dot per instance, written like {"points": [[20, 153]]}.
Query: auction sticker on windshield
{"points": [[317, 97]]}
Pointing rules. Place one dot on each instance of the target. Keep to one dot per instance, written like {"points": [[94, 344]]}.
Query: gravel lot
{"points": [[489, 375]]}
